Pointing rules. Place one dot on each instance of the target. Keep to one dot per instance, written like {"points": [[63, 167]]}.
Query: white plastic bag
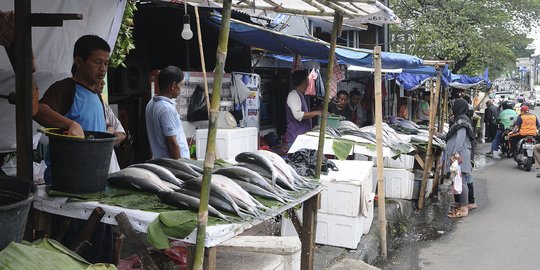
{"points": [[455, 175]]}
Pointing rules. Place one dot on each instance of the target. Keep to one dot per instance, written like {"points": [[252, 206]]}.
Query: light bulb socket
{"points": [[186, 18]]}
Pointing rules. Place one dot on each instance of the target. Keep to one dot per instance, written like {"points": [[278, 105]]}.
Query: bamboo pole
{"points": [[379, 139], [203, 64], [429, 159], [336, 29], [221, 56]]}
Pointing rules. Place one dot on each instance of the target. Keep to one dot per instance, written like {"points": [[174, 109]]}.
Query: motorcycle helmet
{"points": [[520, 99], [524, 108], [508, 104]]}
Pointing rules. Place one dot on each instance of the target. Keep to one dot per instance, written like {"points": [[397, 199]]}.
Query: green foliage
{"points": [[124, 41], [475, 34]]}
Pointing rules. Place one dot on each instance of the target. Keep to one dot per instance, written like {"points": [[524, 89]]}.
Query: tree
{"points": [[474, 33]]}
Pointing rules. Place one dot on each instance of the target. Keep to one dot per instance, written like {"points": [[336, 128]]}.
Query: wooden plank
{"points": [[296, 222], [81, 242], [309, 230], [133, 238], [438, 173], [419, 160], [63, 229]]}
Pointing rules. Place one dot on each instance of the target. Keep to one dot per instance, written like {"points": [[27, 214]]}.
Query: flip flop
{"points": [[472, 206], [454, 205], [457, 214]]}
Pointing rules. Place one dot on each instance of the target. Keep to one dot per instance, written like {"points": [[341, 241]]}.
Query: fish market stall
{"points": [[160, 198]]}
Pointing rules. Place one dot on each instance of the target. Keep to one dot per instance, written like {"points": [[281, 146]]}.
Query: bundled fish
{"points": [[161, 172], [329, 131], [178, 168], [139, 179], [185, 201], [346, 125], [260, 161], [390, 137]]}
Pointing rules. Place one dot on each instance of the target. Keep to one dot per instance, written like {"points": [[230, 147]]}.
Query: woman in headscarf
{"points": [[459, 146]]}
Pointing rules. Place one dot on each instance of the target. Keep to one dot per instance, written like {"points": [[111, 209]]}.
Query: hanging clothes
{"points": [[319, 84], [312, 78], [337, 76]]}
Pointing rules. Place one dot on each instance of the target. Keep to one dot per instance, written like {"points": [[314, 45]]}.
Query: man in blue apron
{"points": [[74, 104]]}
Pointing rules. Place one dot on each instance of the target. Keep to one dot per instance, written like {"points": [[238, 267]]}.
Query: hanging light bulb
{"points": [[187, 34]]}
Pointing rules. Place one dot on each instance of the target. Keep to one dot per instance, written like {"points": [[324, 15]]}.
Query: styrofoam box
{"points": [[369, 219], [343, 192], [402, 162], [398, 183], [229, 142], [332, 230]]}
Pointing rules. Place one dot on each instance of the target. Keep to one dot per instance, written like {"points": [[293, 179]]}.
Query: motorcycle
{"points": [[525, 153], [505, 144]]}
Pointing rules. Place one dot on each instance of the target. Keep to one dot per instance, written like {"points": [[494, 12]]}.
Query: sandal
{"points": [[472, 206], [457, 214], [455, 205]]}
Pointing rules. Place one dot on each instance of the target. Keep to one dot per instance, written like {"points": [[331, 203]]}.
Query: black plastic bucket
{"points": [[16, 196], [80, 165]]}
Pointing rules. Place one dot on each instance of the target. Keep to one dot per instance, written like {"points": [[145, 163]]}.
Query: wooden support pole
{"points": [[203, 64], [432, 114], [379, 139], [296, 222], [133, 239], [221, 56], [309, 230], [23, 86], [81, 242], [338, 21]]}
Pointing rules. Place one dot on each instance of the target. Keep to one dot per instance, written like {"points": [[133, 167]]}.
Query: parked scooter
{"points": [[524, 155]]}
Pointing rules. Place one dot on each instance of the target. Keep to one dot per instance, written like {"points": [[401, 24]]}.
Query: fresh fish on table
{"points": [[175, 164], [137, 178], [346, 125], [196, 183], [236, 191], [187, 202], [258, 191], [289, 172], [161, 172], [262, 161], [330, 131], [244, 174], [214, 201]]}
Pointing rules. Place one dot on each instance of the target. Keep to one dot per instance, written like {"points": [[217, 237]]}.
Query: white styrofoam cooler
{"points": [[343, 192], [229, 142], [402, 162], [398, 183], [332, 230]]}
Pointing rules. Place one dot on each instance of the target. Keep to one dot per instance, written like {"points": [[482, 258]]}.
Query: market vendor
{"points": [[74, 104], [423, 109], [163, 126], [298, 114], [358, 112], [341, 107]]}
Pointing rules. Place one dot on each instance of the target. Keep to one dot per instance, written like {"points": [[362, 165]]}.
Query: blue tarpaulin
{"points": [[464, 81], [412, 79], [308, 47]]}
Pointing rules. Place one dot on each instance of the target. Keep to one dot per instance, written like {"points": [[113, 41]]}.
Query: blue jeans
{"points": [[496, 141]]}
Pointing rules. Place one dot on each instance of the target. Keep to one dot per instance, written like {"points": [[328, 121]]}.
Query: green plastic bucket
{"points": [[333, 121]]}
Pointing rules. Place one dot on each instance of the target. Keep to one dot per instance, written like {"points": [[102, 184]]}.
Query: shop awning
{"points": [[355, 13], [279, 43]]}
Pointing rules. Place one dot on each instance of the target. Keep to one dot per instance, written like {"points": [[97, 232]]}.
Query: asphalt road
{"points": [[503, 233]]}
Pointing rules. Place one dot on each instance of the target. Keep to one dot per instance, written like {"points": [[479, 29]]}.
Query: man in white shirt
{"points": [[298, 114]]}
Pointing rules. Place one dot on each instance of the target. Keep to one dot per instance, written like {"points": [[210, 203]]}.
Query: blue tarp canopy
{"points": [[412, 79], [465, 82], [279, 43]]}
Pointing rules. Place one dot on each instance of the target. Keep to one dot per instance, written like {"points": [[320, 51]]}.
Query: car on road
{"points": [[502, 96]]}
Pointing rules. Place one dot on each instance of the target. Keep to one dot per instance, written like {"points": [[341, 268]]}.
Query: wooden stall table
{"points": [[215, 235]]}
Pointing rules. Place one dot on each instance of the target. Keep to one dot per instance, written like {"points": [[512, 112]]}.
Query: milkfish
{"points": [[195, 184], [161, 172], [187, 202], [175, 164], [212, 200], [247, 175], [137, 178], [266, 175], [293, 177], [260, 160], [235, 190], [257, 191], [194, 164]]}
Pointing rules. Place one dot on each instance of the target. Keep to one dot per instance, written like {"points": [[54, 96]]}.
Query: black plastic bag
{"points": [[304, 162], [197, 110]]}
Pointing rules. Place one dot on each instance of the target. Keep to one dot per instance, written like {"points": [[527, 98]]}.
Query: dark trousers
{"points": [[471, 194], [491, 131]]}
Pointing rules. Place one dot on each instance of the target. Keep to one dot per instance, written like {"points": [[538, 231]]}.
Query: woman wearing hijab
{"points": [[459, 146]]}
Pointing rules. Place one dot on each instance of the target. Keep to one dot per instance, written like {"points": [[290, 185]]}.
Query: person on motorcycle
{"points": [[505, 121], [526, 125]]}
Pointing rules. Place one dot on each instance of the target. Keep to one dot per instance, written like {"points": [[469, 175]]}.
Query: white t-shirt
{"points": [[295, 104]]}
